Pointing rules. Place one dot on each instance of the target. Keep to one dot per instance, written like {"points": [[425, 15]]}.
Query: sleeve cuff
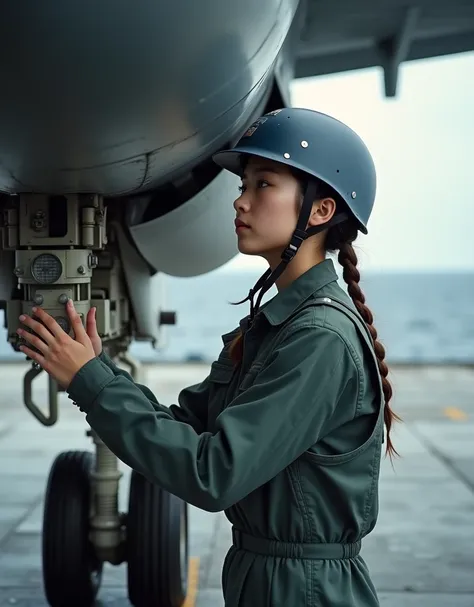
{"points": [[88, 382], [104, 358]]}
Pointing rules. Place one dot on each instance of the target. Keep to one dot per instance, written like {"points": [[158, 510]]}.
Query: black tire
{"points": [[72, 574], [157, 546]]}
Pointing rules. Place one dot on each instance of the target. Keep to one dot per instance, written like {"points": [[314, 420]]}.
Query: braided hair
{"points": [[340, 238]]}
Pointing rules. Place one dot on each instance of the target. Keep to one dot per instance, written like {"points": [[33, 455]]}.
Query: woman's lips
{"points": [[240, 225]]}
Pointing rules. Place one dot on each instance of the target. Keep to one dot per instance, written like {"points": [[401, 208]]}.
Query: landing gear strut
{"points": [[59, 250]]}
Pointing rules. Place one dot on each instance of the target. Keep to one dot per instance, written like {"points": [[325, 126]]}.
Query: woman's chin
{"points": [[250, 244], [246, 248]]}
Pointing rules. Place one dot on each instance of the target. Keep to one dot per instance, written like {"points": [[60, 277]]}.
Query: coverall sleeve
{"points": [[192, 408], [264, 428]]}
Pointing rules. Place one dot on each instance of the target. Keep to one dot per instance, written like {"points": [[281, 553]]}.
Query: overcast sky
{"points": [[423, 146]]}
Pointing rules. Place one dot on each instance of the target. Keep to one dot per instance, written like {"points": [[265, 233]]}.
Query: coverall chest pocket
{"points": [[250, 376], [220, 377]]}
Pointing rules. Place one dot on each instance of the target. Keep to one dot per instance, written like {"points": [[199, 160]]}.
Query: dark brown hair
{"points": [[340, 238]]}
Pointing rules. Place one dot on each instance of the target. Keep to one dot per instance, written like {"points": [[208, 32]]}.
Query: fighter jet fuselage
{"points": [[109, 115]]}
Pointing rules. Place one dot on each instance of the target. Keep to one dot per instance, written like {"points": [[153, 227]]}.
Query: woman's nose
{"points": [[242, 202]]}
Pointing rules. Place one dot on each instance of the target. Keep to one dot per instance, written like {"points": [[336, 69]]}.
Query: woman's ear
{"points": [[322, 211]]}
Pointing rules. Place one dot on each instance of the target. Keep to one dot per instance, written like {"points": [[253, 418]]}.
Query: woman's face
{"points": [[269, 205]]}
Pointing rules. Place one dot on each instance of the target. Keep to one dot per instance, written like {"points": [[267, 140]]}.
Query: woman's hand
{"points": [[91, 329], [60, 355]]}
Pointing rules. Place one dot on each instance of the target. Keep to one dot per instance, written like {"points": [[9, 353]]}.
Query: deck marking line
{"points": [[193, 582], [455, 413]]}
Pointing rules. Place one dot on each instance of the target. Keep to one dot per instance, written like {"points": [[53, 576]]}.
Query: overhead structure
{"points": [[345, 35]]}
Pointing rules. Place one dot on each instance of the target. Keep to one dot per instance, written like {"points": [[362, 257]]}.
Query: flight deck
{"points": [[421, 553]]}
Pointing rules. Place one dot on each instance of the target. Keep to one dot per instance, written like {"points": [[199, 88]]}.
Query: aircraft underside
{"points": [[107, 182]]}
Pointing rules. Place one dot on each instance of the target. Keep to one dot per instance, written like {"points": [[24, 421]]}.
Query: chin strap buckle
{"points": [[299, 236]]}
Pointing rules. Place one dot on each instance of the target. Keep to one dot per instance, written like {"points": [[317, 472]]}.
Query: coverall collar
{"points": [[285, 303]]}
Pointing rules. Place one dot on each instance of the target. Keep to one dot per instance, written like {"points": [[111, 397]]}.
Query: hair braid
{"points": [[348, 260]]}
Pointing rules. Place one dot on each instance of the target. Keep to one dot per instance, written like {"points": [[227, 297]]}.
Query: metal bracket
{"points": [[53, 390], [395, 50]]}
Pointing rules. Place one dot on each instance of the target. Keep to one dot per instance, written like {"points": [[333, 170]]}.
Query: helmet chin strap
{"points": [[268, 279]]}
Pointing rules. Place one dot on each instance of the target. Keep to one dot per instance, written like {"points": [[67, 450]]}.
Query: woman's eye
{"points": [[261, 183]]}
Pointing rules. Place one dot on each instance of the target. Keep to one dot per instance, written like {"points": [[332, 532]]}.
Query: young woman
{"points": [[286, 432]]}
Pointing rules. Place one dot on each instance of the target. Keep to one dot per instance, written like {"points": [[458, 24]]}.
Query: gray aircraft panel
{"points": [[117, 98], [113, 96]]}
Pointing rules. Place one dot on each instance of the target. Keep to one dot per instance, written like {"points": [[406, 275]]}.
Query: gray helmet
{"points": [[317, 145]]}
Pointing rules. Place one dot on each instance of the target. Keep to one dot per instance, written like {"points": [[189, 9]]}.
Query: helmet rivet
{"points": [[286, 155], [304, 144], [353, 194]]}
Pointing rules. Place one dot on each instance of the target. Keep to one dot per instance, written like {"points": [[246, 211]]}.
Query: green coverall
{"points": [[288, 444]]}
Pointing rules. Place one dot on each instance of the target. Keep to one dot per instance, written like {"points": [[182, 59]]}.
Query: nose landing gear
{"points": [[59, 250], [82, 529]]}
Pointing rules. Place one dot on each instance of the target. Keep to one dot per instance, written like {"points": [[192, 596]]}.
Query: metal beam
{"points": [[367, 57], [395, 50]]}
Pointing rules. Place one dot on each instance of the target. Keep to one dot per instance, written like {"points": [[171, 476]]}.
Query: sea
{"points": [[421, 318]]}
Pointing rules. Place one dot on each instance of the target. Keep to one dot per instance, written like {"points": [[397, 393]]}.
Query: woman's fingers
{"points": [[34, 356], [35, 341], [38, 328], [91, 324], [47, 320], [79, 331]]}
